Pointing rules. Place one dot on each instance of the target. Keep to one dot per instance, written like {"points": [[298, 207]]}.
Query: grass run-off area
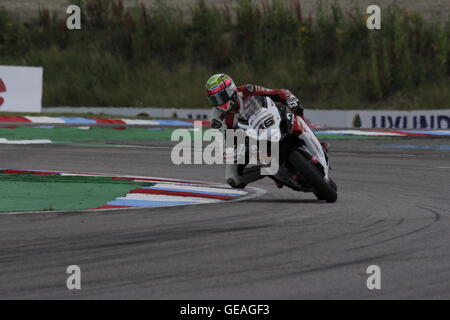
{"points": [[30, 192], [104, 135]]}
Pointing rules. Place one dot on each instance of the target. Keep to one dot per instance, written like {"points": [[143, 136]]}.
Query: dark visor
{"points": [[219, 98]]}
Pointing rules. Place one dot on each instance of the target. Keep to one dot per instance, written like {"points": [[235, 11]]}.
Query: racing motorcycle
{"points": [[303, 164]]}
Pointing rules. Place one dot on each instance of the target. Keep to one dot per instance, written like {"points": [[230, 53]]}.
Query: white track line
{"points": [[24, 142], [45, 120], [168, 186], [157, 197], [140, 122], [363, 133]]}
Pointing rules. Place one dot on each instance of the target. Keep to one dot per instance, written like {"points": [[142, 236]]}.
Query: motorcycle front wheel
{"points": [[323, 189]]}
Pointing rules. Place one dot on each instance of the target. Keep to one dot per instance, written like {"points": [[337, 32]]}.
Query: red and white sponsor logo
{"points": [[2, 89], [21, 89]]}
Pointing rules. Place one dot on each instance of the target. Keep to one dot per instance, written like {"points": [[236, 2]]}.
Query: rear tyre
{"points": [[332, 183], [324, 190]]}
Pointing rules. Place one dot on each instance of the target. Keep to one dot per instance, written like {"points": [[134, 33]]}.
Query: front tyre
{"points": [[323, 189]]}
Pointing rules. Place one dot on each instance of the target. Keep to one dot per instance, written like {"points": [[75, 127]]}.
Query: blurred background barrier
{"points": [[374, 119], [20, 89], [161, 55], [167, 112]]}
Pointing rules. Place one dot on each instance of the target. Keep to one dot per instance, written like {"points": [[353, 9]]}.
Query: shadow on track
{"points": [[286, 201]]}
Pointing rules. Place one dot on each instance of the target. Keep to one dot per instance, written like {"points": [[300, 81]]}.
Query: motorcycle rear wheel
{"points": [[324, 190]]}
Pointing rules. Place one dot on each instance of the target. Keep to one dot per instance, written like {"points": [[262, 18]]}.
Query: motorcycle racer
{"points": [[228, 100]]}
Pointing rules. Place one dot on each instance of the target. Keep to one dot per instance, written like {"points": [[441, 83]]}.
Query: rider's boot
{"points": [[233, 184], [238, 176]]}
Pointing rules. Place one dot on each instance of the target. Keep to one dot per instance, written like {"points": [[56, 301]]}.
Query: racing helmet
{"points": [[221, 91]]}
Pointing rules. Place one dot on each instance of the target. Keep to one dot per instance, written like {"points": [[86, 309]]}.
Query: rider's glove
{"points": [[292, 101], [294, 104]]}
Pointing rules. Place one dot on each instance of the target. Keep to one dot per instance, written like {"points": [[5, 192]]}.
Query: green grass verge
{"points": [[29, 192], [103, 136]]}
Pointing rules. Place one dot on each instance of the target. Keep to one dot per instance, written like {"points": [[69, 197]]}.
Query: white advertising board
{"points": [[369, 119], [21, 89]]}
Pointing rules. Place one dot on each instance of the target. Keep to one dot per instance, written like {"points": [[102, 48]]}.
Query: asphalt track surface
{"points": [[393, 211]]}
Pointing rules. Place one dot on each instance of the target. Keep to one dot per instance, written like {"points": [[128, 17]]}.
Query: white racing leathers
{"points": [[236, 175], [229, 120]]}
